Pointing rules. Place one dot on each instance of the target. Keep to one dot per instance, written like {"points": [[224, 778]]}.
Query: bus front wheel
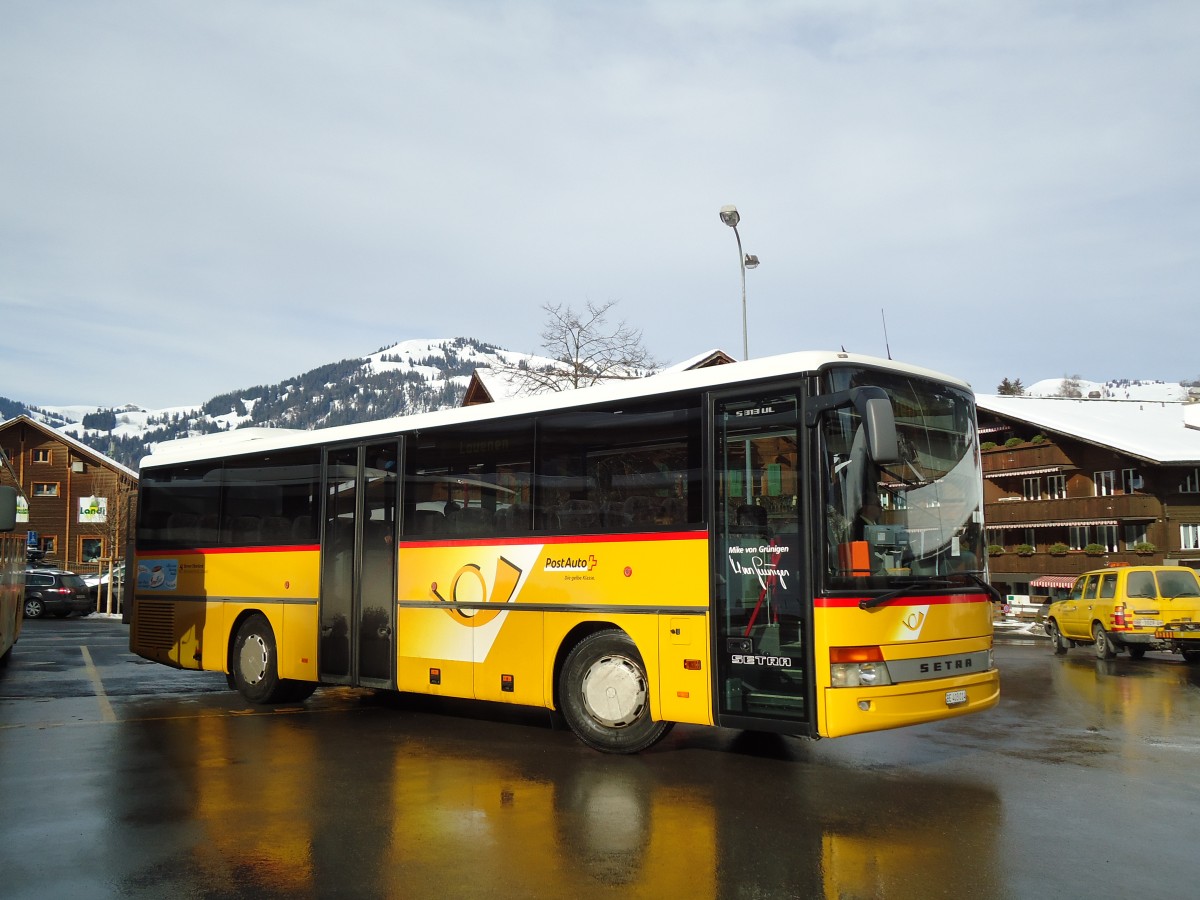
{"points": [[605, 694], [254, 664]]}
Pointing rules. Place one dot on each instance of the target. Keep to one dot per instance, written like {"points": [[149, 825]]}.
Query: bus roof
{"points": [[264, 440]]}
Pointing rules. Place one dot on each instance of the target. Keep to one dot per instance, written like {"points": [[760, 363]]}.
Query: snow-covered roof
{"points": [[1163, 432], [75, 444], [708, 356]]}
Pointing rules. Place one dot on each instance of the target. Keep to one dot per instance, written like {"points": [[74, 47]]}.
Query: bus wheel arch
{"points": [[254, 663], [604, 693]]}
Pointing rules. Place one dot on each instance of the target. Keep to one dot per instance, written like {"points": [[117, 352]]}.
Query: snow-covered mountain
{"points": [[404, 378], [1120, 389]]}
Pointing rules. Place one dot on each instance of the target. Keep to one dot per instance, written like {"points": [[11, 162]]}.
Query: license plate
{"points": [[1147, 623], [955, 698]]}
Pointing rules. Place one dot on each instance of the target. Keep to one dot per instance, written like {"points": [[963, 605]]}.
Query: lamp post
{"points": [[729, 215]]}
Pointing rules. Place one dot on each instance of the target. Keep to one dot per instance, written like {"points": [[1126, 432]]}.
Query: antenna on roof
{"points": [[886, 345]]}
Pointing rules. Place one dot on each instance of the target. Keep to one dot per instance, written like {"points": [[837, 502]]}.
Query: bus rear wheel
{"points": [[254, 665], [605, 695]]}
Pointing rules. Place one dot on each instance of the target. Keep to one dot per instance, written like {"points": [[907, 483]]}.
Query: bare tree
{"points": [[1072, 386], [585, 350]]}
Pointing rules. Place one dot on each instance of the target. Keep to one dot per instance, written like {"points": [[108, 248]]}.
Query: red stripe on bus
{"points": [[207, 551], [648, 536], [939, 600]]}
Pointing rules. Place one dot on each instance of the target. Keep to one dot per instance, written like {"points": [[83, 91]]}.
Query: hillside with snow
{"points": [[1120, 389], [401, 379]]}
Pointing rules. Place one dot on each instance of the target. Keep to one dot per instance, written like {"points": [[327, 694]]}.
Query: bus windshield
{"points": [[916, 517]]}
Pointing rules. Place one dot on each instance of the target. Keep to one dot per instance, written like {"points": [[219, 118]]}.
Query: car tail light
{"points": [[1118, 616]]}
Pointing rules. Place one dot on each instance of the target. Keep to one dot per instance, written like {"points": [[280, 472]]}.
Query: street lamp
{"points": [[729, 215]]}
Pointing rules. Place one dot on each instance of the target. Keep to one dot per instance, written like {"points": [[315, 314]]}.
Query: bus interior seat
{"points": [[750, 519], [427, 521], [246, 530], [276, 530]]}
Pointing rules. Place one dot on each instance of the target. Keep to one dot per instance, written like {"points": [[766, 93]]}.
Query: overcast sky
{"points": [[197, 197]]}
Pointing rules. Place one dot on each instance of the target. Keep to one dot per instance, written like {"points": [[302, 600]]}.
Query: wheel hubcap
{"points": [[614, 691], [252, 661]]}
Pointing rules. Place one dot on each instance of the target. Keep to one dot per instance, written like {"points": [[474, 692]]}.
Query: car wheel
{"points": [[1061, 644], [605, 694], [34, 608], [1136, 652], [1105, 649]]}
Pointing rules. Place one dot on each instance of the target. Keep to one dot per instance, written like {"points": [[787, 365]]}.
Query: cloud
{"points": [[226, 194]]}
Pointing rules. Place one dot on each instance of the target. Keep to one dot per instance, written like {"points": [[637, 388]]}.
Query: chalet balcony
{"points": [[1025, 456], [1075, 562], [1118, 508]]}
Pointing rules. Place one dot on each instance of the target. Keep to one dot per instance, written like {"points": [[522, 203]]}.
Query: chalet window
{"points": [[91, 549], [1189, 537], [45, 489], [1135, 533], [1033, 488], [1191, 482], [1130, 480], [41, 456], [1078, 537], [1106, 483], [50, 544], [1107, 535], [1031, 538], [1056, 487]]}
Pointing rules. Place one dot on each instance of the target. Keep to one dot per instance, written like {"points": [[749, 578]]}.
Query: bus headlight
{"points": [[860, 674]]}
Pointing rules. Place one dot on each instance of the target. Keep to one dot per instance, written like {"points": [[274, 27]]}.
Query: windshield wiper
{"points": [[996, 595], [923, 585], [928, 584]]}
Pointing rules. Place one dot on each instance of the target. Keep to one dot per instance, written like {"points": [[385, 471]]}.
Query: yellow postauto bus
{"points": [[789, 544]]}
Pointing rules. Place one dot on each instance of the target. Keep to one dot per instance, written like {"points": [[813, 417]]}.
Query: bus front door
{"points": [[761, 625], [358, 567]]}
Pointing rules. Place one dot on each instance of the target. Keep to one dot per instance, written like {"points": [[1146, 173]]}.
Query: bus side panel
{"points": [[434, 653], [511, 669], [938, 632], [187, 604], [684, 673], [488, 589]]}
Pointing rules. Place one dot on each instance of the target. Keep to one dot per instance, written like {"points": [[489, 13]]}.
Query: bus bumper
{"points": [[862, 709]]}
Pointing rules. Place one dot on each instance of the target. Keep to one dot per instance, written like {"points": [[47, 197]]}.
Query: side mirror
{"points": [[878, 417], [880, 422], [8, 508]]}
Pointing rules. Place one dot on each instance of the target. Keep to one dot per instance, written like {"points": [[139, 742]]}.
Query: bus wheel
{"points": [[605, 695], [1061, 644], [254, 667], [1104, 645]]}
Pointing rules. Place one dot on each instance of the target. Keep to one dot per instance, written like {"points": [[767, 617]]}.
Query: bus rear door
{"points": [[358, 566]]}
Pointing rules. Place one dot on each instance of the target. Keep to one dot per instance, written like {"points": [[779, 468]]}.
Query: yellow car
{"points": [[1119, 609]]}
